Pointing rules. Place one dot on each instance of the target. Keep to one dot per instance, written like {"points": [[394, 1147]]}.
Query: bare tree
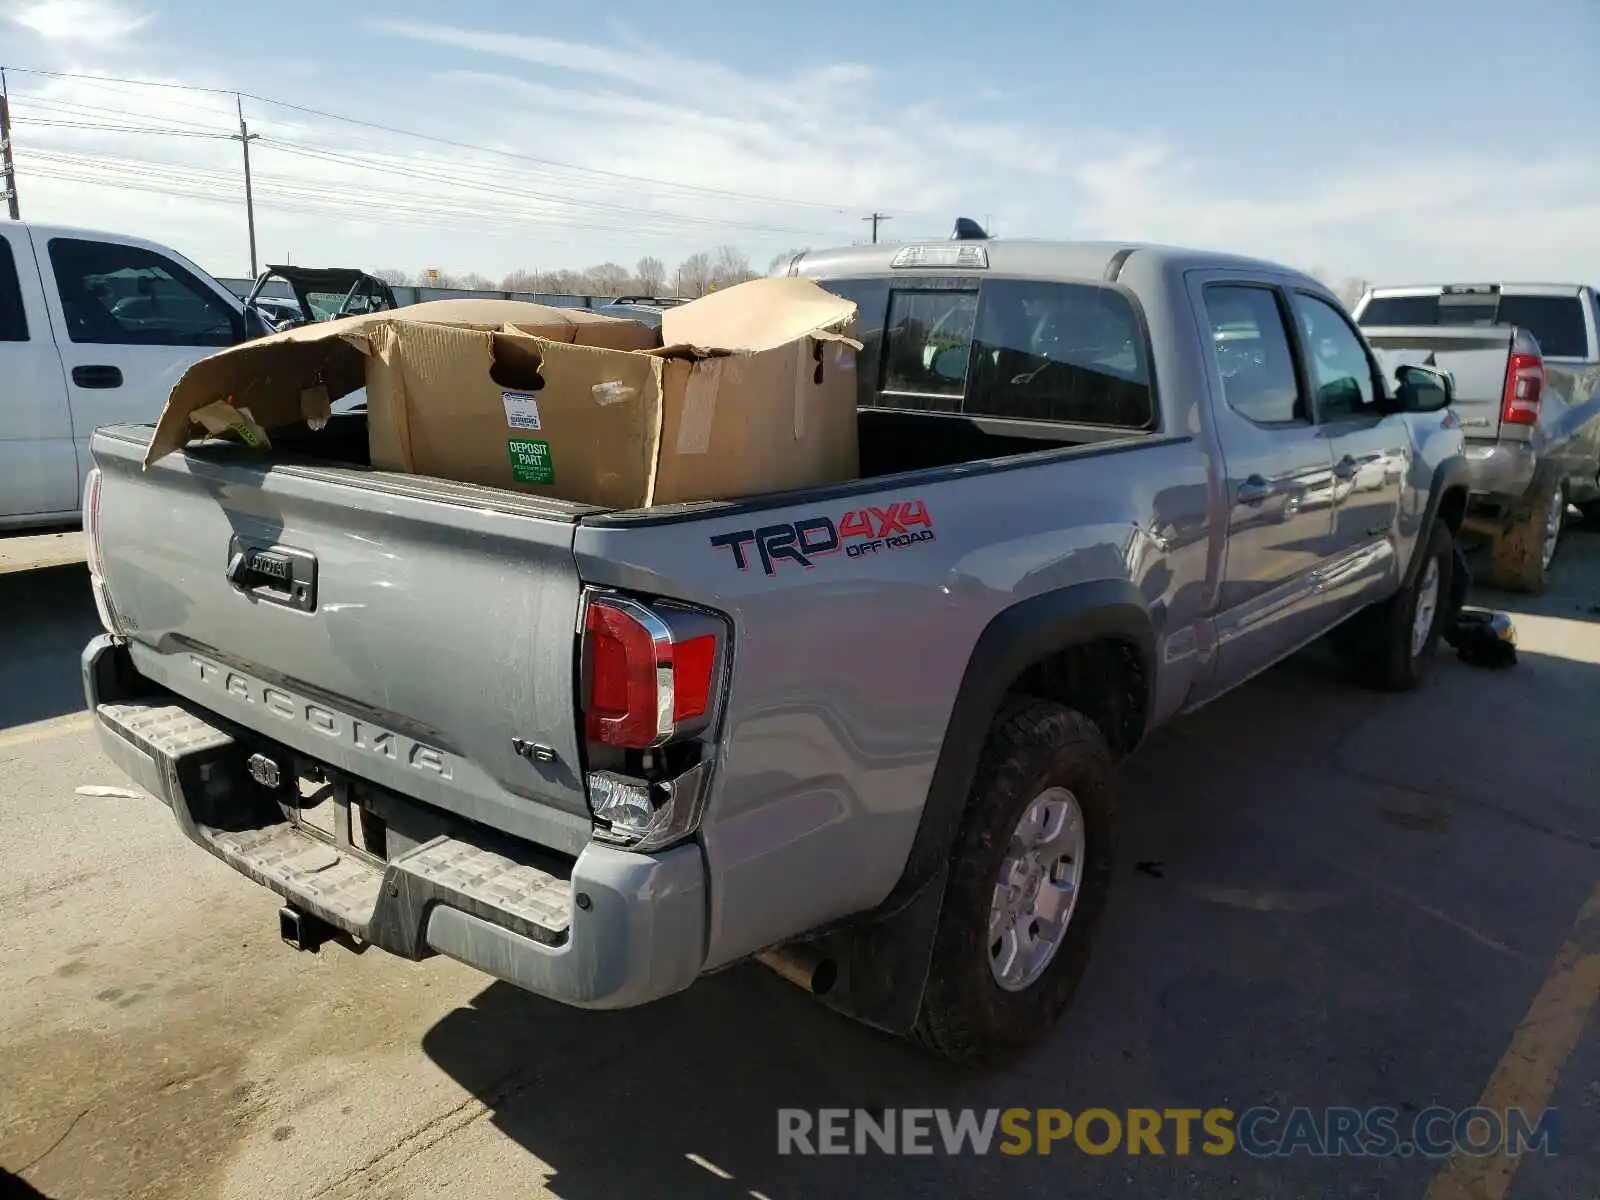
{"points": [[477, 283], [1351, 290], [608, 279], [696, 275], [393, 276], [731, 265], [564, 283], [520, 281], [651, 273]]}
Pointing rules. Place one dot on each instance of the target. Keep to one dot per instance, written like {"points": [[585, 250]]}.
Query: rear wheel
{"points": [[1520, 558], [1028, 881]]}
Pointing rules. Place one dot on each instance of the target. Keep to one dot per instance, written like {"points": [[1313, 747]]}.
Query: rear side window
{"points": [[1555, 321], [128, 296], [1251, 344], [13, 320], [1071, 353]]}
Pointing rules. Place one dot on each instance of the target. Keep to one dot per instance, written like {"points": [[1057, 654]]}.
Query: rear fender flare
{"points": [[884, 955], [1014, 640]]}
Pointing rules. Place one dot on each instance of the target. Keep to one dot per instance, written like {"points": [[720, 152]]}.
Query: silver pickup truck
{"points": [[865, 732], [1525, 359]]}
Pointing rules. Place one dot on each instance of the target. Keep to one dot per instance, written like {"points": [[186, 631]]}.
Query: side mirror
{"points": [[1423, 389]]}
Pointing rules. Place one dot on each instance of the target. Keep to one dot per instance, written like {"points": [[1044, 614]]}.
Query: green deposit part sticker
{"points": [[530, 461]]}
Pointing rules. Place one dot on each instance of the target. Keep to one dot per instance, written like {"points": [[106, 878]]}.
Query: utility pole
{"points": [[875, 218], [8, 166], [244, 138]]}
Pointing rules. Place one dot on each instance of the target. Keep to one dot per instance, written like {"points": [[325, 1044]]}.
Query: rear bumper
{"points": [[1499, 475], [619, 930]]}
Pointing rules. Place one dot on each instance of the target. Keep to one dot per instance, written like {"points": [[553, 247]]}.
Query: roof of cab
{"points": [[1026, 256]]}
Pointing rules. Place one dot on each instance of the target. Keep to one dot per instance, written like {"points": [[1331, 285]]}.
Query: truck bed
{"points": [[368, 671]]}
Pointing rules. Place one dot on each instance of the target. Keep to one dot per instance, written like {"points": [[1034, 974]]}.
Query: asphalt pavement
{"points": [[1326, 898]]}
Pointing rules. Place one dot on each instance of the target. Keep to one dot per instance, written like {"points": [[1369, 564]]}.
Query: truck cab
{"points": [[94, 330]]}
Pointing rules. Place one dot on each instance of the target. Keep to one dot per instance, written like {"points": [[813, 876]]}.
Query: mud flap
{"points": [[883, 962]]}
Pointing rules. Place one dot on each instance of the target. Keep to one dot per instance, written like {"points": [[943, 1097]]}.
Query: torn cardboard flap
{"points": [[270, 374], [759, 315]]}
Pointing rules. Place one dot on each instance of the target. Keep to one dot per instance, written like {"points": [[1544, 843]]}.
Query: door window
{"points": [[13, 319], [1341, 372], [128, 296], [1253, 355]]}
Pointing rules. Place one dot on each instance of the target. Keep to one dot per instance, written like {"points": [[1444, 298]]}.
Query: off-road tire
{"points": [[1377, 640], [1033, 745], [1516, 556]]}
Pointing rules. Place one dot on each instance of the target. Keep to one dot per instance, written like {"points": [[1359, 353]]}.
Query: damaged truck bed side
{"points": [[866, 731]]}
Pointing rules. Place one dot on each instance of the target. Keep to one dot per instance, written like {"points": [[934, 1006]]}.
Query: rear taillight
{"points": [[1524, 389], [94, 555], [650, 676], [651, 683]]}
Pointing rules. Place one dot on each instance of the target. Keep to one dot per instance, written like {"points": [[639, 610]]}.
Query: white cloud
{"points": [[832, 138], [94, 22]]}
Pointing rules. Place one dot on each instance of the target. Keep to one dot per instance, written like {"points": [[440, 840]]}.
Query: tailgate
{"points": [[1477, 357], [411, 632]]}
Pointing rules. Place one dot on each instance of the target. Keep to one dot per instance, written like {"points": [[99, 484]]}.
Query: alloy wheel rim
{"points": [[1552, 526], [1037, 889], [1427, 606]]}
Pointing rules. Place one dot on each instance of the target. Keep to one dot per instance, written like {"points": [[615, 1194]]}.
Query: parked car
{"points": [[865, 732], [1526, 360], [94, 329], [319, 294], [646, 309]]}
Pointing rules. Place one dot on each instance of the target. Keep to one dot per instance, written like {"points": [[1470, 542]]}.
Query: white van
{"points": [[94, 329]]}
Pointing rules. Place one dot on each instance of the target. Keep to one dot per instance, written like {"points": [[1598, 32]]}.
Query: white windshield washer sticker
{"points": [[522, 410]]}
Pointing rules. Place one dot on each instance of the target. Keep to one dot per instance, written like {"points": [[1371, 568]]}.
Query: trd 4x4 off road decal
{"points": [[859, 532]]}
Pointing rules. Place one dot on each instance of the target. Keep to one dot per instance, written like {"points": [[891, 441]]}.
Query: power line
{"points": [[876, 218], [391, 129]]}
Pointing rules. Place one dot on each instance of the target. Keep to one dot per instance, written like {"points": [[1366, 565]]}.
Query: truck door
{"points": [[38, 467], [1371, 454], [129, 321], [1278, 477]]}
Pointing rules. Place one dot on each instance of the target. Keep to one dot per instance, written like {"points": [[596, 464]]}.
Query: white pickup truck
{"points": [[94, 330]]}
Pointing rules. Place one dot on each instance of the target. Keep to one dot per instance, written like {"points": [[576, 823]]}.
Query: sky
{"points": [[1389, 140]]}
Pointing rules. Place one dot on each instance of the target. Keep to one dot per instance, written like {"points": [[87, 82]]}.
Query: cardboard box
{"points": [[753, 391]]}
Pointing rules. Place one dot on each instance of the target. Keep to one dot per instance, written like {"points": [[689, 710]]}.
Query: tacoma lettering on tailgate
{"points": [[338, 726], [859, 532]]}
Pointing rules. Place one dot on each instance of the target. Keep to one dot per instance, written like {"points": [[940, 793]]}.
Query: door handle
{"points": [[1346, 468], [97, 377], [1254, 490]]}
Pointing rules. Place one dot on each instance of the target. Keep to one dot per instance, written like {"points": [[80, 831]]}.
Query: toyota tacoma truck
{"points": [[1526, 364], [865, 733]]}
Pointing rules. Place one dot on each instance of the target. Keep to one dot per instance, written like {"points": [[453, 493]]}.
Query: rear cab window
{"points": [[1557, 322], [1004, 349]]}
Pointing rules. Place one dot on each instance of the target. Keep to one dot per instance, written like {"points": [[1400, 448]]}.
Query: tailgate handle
{"points": [[275, 574]]}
